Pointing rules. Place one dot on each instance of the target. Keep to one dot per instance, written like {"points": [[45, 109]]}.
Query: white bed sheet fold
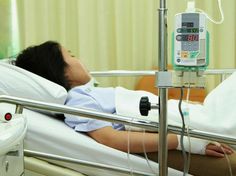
{"points": [[216, 115]]}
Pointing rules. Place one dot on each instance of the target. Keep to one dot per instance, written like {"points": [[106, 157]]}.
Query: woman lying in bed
{"points": [[53, 62]]}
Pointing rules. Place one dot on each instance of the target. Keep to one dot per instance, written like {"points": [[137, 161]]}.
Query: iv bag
{"points": [[9, 29]]}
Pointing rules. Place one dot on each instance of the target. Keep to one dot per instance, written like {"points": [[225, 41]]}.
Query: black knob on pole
{"points": [[144, 106]]}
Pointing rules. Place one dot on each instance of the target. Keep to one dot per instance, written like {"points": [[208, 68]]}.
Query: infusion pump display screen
{"points": [[188, 30], [190, 39], [187, 37]]}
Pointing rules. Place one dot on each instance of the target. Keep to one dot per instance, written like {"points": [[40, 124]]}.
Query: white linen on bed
{"points": [[127, 104], [217, 114], [220, 106], [49, 135]]}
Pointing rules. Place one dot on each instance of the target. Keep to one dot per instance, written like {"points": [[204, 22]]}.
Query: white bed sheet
{"points": [[50, 135]]}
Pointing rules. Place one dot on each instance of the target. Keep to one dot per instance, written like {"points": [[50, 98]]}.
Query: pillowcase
{"points": [[15, 81]]}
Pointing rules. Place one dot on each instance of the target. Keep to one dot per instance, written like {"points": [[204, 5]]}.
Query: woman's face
{"points": [[76, 72]]}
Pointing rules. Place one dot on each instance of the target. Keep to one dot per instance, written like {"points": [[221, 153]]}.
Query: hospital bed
{"points": [[49, 136], [50, 144]]}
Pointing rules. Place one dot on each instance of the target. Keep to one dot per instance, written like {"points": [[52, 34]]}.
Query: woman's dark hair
{"points": [[45, 60]]}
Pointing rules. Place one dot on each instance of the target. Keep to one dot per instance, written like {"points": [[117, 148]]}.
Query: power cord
{"points": [[188, 124], [184, 116], [228, 161], [212, 20], [128, 148], [145, 154], [182, 133], [226, 156], [144, 151]]}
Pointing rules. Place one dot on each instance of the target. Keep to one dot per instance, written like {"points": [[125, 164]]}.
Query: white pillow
{"points": [[15, 81]]}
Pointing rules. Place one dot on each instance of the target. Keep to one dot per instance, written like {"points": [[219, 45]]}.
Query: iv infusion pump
{"points": [[190, 42]]}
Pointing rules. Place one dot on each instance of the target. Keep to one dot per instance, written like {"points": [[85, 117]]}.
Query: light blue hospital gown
{"points": [[94, 98]]}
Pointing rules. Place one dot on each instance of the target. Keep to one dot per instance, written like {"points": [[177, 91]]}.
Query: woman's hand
{"points": [[218, 150], [204, 147]]}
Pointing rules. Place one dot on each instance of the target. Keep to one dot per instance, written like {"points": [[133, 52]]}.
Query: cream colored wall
{"points": [[222, 39], [9, 38], [120, 34]]}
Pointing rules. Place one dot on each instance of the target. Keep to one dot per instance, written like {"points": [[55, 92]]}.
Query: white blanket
{"points": [[217, 114]]}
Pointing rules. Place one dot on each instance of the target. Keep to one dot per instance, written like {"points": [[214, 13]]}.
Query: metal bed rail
{"points": [[30, 153], [223, 73], [126, 120], [114, 73]]}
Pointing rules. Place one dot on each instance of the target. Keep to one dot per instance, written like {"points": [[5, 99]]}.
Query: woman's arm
{"points": [[119, 140]]}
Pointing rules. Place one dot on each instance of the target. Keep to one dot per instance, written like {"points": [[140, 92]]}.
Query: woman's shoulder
{"points": [[92, 97], [88, 89]]}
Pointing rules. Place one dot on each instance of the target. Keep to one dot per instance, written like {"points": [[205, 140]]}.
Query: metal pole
{"points": [[19, 109], [162, 150], [117, 169]]}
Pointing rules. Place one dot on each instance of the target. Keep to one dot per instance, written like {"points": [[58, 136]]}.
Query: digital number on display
{"points": [[187, 30], [187, 37]]}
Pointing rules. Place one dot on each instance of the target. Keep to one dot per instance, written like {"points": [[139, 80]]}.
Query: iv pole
{"points": [[162, 62]]}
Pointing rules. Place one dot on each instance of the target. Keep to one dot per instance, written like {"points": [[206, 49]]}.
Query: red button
{"points": [[8, 116]]}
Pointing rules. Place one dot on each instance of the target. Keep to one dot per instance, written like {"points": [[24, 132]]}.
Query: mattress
{"points": [[47, 134]]}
